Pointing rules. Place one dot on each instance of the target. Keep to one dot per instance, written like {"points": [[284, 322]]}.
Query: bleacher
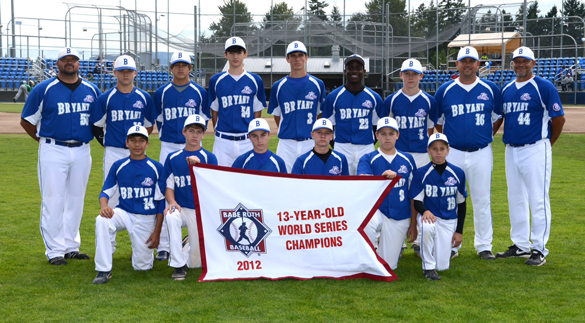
{"points": [[13, 72]]}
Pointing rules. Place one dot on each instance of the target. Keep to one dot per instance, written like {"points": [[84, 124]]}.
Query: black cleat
{"points": [[76, 255], [536, 259], [58, 261], [513, 252], [431, 274], [102, 277], [487, 255], [180, 273], [162, 255]]}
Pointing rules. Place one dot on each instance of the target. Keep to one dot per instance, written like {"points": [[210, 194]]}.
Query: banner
{"points": [[268, 225]]}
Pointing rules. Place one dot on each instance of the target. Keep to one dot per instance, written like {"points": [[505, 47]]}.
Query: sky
{"points": [[50, 14]]}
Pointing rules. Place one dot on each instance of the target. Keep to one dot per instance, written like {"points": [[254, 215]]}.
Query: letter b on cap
{"points": [[386, 121], [296, 45], [125, 61], [467, 51], [257, 123], [324, 122], [411, 63], [180, 55], [233, 40], [520, 51]]}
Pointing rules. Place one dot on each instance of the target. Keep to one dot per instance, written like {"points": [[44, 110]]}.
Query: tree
{"points": [[452, 12], [281, 12], [575, 25], [336, 19], [317, 8], [223, 28]]}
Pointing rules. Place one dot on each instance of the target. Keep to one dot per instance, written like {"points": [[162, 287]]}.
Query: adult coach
{"points": [[174, 102], [295, 103], [354, 109], [470, 111], [56, 115], [534, 120], [235, 98]]}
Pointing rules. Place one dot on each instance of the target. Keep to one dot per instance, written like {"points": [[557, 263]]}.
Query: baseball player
{"points": [[439, 194], [235, 97], [470, 114], [118, 109], [260, 158], [174, 102], [295, 103], [353, 109], [138, 180], [180, 211], [534, 120], [395, 218], [25, 89], [321, 160], [57, 116]]}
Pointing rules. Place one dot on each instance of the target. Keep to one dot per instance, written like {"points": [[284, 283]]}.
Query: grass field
{"points": [[471, 291]]}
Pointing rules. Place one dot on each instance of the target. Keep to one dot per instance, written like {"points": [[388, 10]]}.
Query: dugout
{"points": [[496, 45]]}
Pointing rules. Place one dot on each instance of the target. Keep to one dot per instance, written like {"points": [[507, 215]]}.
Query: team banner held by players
{"points": [[268, 225]]}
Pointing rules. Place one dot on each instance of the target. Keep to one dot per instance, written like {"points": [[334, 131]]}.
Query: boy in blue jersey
{"points": [[180, 212], [296, 102], [321, 160], [235, 98], [119, 109], [138, 180], [395, 218], [174, 102], [260, 158], [439, 194], [470, 112], [354, 109]]}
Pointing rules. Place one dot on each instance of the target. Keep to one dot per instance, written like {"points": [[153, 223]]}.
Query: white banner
{"points": [[268, 225]]}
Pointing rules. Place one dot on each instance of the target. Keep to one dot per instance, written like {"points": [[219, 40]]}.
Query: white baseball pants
{"points": [[435, 243], [289, 150], [227, 151], [191, 256], [111, 155], [392, 238], [353, 153]]}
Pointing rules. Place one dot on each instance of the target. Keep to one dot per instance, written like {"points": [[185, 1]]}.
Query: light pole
{"points": [[40, 28]]}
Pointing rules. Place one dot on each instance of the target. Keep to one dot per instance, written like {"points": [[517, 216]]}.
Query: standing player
{"points": [[235, 97], [353, 109], [57, 116], [138, 180], [174, 102], [470, 111], [180, 212], [439, 193], [321, 160], [395, 218], [295, 103], [119, 109], [534, 120], [260, 158]]}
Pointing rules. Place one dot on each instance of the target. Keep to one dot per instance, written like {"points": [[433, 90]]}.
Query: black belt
{"points": [[302, 139], [230, 137], [64, 143], [470, 150], [516, 146]]}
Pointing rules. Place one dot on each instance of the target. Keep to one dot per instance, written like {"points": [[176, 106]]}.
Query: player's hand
{"points": [[154, 240], [428, 217], [457, 238], [412, 233], [389, 174], [171, 208], [192, 160], [107, 212]]}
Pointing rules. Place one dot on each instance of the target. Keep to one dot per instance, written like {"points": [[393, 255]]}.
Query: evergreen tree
{"points": [[336, 19], [223, 28], [281, 12], [317, 8]]}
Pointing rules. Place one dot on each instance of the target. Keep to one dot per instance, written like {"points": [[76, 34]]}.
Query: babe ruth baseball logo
{"points": [[147, 182], [367, 104], [244, 230], [483, 96], [403, 170], [525, 97], [138, 105], [335, 170], [556, 107], [450, 181], [191, 103], [420, 113], [247, 90], [311, 96], [88, 98]]}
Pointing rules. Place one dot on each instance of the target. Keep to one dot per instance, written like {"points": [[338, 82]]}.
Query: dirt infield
{"points": [[10, 122]]}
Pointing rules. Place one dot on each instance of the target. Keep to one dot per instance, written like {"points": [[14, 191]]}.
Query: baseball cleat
{"points": [[431, 274], [180, 273], [162, 255], [416, 248], [536, 259], [76, 255], [102, 277], [454, 254], [513, 252], [57, 261], [487, 255]]}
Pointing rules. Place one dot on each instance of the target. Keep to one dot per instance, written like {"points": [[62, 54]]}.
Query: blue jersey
{"points": [[173, 107], [414, 115], [116, 112], [310, 164], [468, 112], [268, 162], [353, 115], [397, 204], [528, 109], [235, 101], [62, 114], [440, 194], [178, 177], [298, 103], [139, 183]]}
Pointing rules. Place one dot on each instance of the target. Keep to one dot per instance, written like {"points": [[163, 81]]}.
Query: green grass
{"points": [[472, 290], [11, 107]]}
